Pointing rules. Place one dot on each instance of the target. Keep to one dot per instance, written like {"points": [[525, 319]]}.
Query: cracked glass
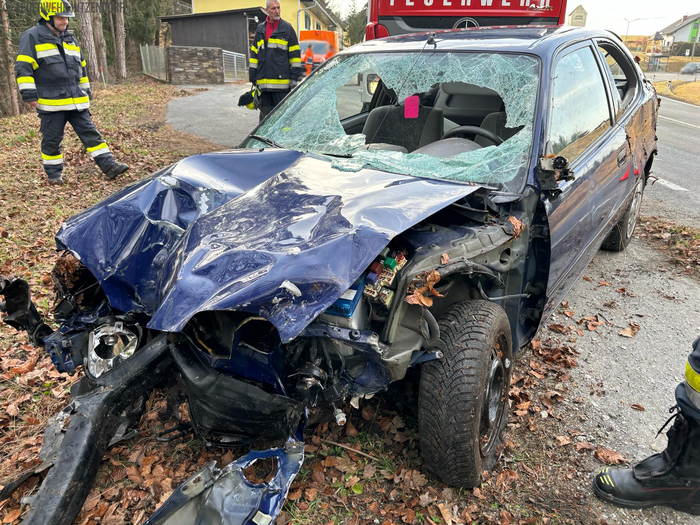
{"points": [[309, 120]]}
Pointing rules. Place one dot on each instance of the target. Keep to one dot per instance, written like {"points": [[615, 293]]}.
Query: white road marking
{"points": [[679, 101], [670, 185], [679, 122]]}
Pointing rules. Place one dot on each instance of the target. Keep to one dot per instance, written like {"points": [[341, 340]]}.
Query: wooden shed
{"points": [[228, 30]]}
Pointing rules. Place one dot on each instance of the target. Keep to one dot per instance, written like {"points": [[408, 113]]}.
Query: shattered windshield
{"points": [[419, 98]]}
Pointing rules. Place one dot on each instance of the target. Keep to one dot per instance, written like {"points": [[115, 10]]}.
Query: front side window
{"points": [[420, 96], [579, 106]]}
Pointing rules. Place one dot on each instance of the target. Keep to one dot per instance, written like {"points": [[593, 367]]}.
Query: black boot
{"points": [[115, 170], [671, 478]]}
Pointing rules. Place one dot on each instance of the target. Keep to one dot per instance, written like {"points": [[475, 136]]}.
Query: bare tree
{"points": [[98, 33], [6, 52], [87, 40], [120, 38]]}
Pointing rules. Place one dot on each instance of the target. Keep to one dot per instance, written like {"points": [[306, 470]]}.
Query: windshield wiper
{"points": [[267, 141], [338, 155]]}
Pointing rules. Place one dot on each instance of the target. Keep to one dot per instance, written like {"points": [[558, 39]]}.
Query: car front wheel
{"points": [[621, 234], [463, 397]]}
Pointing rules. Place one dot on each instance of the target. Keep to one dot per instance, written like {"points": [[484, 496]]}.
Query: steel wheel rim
{"points": [[493, 408], [635, 207]]}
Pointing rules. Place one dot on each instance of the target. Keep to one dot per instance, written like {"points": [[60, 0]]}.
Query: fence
{"points": [[235, 66], [154, 62]]}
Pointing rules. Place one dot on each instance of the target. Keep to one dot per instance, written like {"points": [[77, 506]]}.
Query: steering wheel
{"points": [[476, 130]]}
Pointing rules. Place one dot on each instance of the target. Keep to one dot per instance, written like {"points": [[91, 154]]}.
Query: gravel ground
{"points": [[615, 372], [213, 113]]}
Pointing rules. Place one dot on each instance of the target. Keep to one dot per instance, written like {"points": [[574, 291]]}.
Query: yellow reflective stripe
{"points": [[253, 60], [293, 48], [51, 157], [45, 47], [273, 81], [72, 47], [692, 377], [83, 63], [293, 60], [28, 59], [84, 80], [63, 101], [95, 148], [259, 43], [278, 41], [25, 80]]}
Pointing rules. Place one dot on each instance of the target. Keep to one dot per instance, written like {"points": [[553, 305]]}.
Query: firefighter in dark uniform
{"points": [[671, 478], [275, 59], [52, 79]]}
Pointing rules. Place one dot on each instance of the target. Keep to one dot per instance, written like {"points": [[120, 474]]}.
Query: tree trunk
{"points": [[110, 17], [6, 52], [100, 44], [87, 40], [120, 39]]}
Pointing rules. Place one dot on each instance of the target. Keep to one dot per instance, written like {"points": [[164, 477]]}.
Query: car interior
{"points": [[453, 118]]}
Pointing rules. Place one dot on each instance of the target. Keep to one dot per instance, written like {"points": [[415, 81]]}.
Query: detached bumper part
{"points": [[92, 421], [21, 312], [225, 497]]}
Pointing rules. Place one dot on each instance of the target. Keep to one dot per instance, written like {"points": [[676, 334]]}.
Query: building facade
{"points": [[685, 29], [577, 17]]}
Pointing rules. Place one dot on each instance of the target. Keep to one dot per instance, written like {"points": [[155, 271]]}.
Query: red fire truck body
{"points": [[397, 17]]}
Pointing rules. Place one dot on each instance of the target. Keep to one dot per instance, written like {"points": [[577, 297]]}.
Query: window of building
{"points": [[318, 26], [580, 112], [579, 18], [695, 25], [307, 21]]}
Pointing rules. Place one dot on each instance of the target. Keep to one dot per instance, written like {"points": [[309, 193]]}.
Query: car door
{"points": [[579, 128]]}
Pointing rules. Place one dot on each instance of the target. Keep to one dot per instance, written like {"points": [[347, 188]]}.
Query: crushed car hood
{"points": [[274, 233]]}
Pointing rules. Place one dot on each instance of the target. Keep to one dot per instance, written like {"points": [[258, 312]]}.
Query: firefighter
{"points": [[52, 79], [673, 477], [309, 59], [275, 59]]}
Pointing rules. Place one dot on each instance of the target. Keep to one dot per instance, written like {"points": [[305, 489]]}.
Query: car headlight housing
{"points": [[108, 345]]}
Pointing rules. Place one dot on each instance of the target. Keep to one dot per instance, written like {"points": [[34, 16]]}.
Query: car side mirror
{"points": [[551, 170]]}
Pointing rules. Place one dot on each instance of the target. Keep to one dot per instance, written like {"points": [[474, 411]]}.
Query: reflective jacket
{"points": [[51, 70], [277, 61]]}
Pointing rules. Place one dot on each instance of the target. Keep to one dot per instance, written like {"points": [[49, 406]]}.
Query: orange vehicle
{"points": [[324, 44]]}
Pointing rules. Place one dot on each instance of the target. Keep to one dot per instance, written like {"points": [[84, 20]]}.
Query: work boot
{"points": [[56, 180], [115, 170], [671, 478]]}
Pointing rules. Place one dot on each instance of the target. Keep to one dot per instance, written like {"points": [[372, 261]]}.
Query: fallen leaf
{"points": [[12, 410], [586, 278], [12, 515], [603, 283], [631, 330], [584, 446], [350, 429], [444, 258], [558, 328], [563, 440], [637, 406], [609, 456], [310, 494], [445, 512], [477, 493], [569, 313], [369, 471], [294, 495], [518, 227], [27, 367]]}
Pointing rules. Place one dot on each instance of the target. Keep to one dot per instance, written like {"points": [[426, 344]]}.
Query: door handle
{"points": [[621, 157]]}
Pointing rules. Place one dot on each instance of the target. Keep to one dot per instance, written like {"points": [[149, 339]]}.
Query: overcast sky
{"points": [[609, 14]]}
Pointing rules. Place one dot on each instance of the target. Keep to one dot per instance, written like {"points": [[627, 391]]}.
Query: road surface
{"points": [[675, 195]]}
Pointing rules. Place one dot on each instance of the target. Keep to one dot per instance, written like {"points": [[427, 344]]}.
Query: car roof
{"points": [[538, 40]]}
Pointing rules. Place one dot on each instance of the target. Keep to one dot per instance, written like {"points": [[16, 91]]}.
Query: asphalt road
{"points": [[675, 195]]}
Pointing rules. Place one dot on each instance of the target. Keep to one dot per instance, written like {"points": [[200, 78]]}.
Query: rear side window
{"points": [[580, 112]]}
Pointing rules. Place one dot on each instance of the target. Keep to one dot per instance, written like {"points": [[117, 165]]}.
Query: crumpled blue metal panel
{"points": [[272, 237]]}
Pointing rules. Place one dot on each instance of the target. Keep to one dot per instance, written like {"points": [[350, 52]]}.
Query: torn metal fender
{"points": [[225, 497], [21, 312], [92, 420]]}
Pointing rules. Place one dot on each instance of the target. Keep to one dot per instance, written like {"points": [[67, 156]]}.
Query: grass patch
{"points": [[680, 90]]}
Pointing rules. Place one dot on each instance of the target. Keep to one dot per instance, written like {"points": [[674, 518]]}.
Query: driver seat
{"points": [[495, 123], [387, 124]]}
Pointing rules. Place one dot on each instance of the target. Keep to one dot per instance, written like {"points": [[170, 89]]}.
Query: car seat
{"points": [[387, 124], [496, 123]]}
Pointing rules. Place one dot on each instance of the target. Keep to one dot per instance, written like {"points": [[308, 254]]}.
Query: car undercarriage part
{"points": [[77, 437]]}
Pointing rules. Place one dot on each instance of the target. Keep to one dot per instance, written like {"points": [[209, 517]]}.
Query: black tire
{"points": [[459, 437], [621, 234]]}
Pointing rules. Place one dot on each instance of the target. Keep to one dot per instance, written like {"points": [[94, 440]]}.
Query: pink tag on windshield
{"points": [[411, 107]]}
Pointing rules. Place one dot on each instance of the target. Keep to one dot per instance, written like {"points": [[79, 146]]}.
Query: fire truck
{"points": [[398, 17]]}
